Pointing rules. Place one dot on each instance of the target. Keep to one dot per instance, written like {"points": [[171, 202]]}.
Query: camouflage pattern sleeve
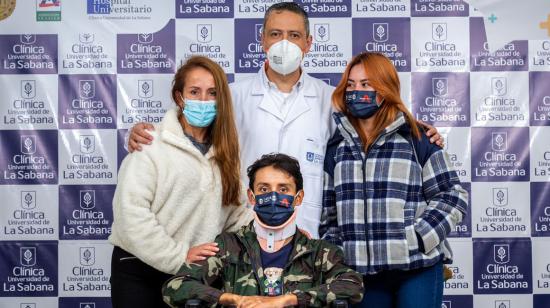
{"points": [[338, 280], [197, 280]]}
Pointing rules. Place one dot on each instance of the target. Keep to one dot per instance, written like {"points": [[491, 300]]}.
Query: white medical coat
{"points": [[302, 134]]}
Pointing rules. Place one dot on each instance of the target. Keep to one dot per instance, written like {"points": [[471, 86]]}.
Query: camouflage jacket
{"points": [[315, 272]]}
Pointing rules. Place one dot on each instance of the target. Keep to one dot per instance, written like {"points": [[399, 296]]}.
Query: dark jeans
{"points": [[420, 288], [134, 283]]}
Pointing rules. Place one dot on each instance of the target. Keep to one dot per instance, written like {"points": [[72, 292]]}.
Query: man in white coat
{"points": [[282, 109]]}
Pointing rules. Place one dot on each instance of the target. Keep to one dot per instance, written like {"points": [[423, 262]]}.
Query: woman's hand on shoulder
{"points": [[432, 133], [139, 135], [201, 252]]}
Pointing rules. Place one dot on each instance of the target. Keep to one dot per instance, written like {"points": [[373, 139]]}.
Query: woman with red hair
{"points": [[390, 197]]}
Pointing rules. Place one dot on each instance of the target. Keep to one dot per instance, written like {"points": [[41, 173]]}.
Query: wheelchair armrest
{"points": [[339, 303], [193, 303]]}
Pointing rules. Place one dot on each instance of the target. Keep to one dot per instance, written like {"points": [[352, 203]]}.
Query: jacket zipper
{"points": [[364, 185], [254, 268]]}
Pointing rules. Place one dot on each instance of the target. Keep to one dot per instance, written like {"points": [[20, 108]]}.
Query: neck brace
{"points": [[272, 239]]}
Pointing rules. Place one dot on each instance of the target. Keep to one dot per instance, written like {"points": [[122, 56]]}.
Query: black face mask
{"points": [[274, 209], [361, 104]]}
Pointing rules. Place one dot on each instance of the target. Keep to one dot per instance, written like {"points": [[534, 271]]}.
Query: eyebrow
{"points": [[286, 185], [362, 80]]}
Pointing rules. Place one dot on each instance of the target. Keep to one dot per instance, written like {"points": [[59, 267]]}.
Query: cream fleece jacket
{"points": [[169, 199]]}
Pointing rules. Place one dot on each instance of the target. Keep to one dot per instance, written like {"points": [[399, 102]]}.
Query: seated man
{"points": [[269, 263]]}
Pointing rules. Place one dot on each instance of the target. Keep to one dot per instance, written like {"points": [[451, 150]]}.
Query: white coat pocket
{"points": [[312, 157]]}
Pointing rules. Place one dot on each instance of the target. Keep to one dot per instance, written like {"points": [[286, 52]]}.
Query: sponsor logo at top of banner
{"points": [[425, 8], [85, 212], [118, 10], [86, 271], [328, 53], [28, 54], [31, 106], [441, 98], [502, 266], [28, 157], [249, 55], [539, 98], [500, 154], [85, 53], [211, 40], [87, 101], [204, 8], [84, 302], [28, 269], [147, 52], [512, 57], [48, 10], [28, 217], [457, 301], [390, 36], [326, 8], [6, 8], [439, 46], [377, 8], [540, 208]]}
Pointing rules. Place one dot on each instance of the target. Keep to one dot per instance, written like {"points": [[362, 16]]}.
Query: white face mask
{"points": [[284, 57]]}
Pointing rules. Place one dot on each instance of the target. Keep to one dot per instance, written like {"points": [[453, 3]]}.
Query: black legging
{"points": [[134, 283]]}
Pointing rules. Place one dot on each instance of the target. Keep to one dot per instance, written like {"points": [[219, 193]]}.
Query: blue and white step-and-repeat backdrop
{"points": [[75, 75]]}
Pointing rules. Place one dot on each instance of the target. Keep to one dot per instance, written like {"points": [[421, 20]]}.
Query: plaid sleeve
{"points": [[447, 201], [328, 229]]}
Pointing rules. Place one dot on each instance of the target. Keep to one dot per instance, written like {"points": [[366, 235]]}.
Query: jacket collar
{"points": [[171, 132], [350, 134], [301, 247]]}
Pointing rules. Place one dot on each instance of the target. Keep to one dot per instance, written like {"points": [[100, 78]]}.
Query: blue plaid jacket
{"points": [[382, 207]]}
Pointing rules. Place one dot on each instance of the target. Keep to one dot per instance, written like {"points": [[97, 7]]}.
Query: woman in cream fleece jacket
{"points": [[181, 191]]}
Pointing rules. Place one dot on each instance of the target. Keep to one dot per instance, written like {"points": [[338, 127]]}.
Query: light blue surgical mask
{"points": [[199, 113]]}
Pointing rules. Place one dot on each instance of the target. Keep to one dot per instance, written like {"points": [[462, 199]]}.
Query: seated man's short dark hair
{"points": [[278, 161]]}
